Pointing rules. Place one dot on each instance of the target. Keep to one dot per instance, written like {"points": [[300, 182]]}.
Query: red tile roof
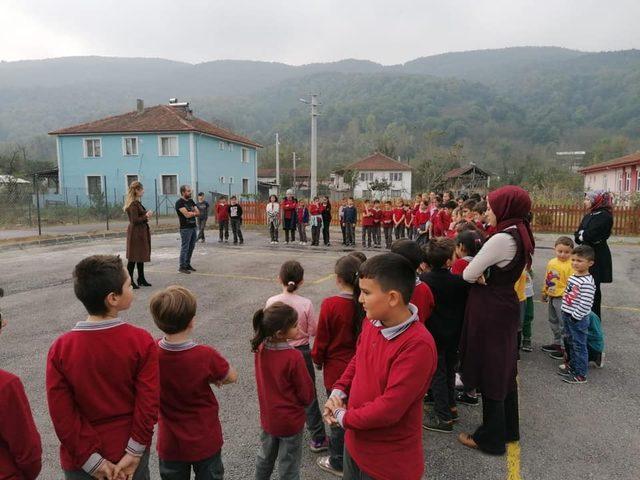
{"points": [[377, 162], [627, 160], [161, 118]]}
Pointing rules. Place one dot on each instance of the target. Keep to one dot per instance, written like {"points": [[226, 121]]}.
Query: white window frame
{"points": [[85, 150], [244, 179], [230, 182], [231, 147], [86, 183], [124, 147], [162, 184], [160, 137], [627, 182], [619, 182], [221, 145], [638, 180], [604, 181], [366, 176], [126, 180], [395, 176], [244, 156], [222, 179]]}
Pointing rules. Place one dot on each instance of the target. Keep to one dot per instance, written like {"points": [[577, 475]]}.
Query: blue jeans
{"points": [[576, 335], [188, 237]]}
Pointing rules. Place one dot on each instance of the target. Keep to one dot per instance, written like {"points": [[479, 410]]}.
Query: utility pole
{"points": [[278, 163], [314, 142], [294, 173]]}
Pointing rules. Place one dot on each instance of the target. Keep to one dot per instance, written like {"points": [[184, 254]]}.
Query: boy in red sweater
{"points": [[222, 216], [284, 390], [102, 380], [20, 447], [189, 431], [422, 297], [387, 223], [367, 224], [398, 219], [386, 379]]}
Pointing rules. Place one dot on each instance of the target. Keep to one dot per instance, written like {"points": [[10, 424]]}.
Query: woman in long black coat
{"points": [[594, 230], [488, 345], [138, 234]]}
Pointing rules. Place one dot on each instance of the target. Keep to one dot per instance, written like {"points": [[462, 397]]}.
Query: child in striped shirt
{"points": [[577, 302]]}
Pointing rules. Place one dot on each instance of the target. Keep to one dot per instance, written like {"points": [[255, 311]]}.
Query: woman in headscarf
{"points": [[594, 230], [488, 346]]}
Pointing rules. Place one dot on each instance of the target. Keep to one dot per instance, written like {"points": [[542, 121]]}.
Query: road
{"points": [[568, 431]]}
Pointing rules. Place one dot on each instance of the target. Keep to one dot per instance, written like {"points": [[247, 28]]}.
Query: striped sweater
{"points": [[578, 296]]}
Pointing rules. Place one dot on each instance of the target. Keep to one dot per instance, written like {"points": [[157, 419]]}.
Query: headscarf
{"points": [[512, 207], [600, 199]]}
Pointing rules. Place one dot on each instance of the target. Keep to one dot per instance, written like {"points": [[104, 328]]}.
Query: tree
{"points": [[382, 186]]}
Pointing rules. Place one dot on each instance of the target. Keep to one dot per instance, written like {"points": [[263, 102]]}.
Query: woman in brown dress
{"points": [[138, 234], [488, 346]]}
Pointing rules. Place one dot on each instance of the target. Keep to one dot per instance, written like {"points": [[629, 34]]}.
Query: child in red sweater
{"points": [[422, 297], [189, 431], [386, 379], [102, 380], [367, 224], [284, 390], [408, 222], [377, 224], [222, 216], [339, 325], [20, 446], [398, 219], [387, 223]]}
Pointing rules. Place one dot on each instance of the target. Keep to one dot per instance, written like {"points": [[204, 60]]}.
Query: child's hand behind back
{"points": [[126, 467], [106, 471]]}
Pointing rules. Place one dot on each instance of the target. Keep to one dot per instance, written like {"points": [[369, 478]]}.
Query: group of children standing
{"points": [[296, 216]]}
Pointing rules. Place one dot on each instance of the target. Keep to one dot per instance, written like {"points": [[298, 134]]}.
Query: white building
{"points": [[374, 167], [620, 176]]}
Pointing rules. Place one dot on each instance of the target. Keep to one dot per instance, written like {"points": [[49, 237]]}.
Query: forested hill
{"points": [[508, 108]]}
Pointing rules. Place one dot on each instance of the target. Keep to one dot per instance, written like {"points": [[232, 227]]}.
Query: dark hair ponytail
{"points": [[291, 274], [347, 270], [271, 320], [471, 241]]}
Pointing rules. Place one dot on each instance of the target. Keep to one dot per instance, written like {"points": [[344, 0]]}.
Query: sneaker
{"points": [[317, 446], [241, 242], [325, 464], [598, 362], [184, 270], [564, 370], [526, 346], [437, 425], [226, 241], [557, 355], [189, 267], [466, 399], [552, 347], [574, 379], [454, 414], [219, 241]]}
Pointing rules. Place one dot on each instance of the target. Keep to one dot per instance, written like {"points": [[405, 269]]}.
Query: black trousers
{"points": [[500, 424], [325, 231], [388, 236], [352, 470], [597, 300], [350, 229], [315, 235], [344, 233], [273, 232], [290, 234], [236, 228], [223, 227], [444, 382], [366, 236], [399, 231], [377, 238]]}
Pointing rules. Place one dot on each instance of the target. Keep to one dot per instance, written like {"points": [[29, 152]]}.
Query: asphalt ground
{"points": [[581, 432]]}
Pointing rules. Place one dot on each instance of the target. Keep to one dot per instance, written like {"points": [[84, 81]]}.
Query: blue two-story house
{"points": [[163, 146]]}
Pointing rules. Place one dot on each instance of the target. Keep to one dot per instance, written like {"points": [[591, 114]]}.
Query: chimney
{"points": [[139, 105]]}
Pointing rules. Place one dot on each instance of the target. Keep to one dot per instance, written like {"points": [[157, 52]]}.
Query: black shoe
{"points": [[241, 242], [143, 283], [557, 355], [133, 284], [220, 241], [598, 361], [552, 347], [189, 267], [466, 399], [184, 270], [437, 425], [526, 345], [235, 243]]}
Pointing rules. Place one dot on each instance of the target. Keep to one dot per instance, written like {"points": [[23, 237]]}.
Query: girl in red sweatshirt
{"points": [[398, 219], [339, 325], [284, 390], [468, 244], [20, 446]]}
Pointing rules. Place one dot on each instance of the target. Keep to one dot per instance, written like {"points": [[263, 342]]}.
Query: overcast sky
{"points": [[306, 31]]}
